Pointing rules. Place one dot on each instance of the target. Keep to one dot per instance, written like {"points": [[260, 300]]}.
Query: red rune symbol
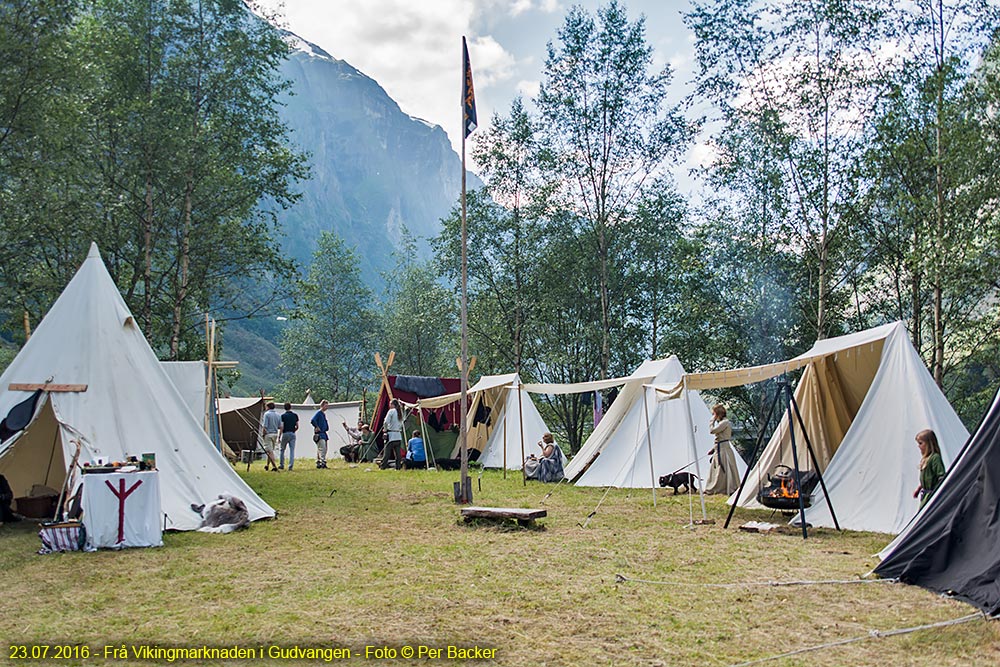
{"points": [[121, 494]]}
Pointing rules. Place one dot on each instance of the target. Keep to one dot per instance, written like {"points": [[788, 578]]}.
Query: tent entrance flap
{"points": [[35, 456], [829, 396]]}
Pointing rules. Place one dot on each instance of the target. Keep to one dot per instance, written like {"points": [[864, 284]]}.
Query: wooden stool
{"points": [[524, 517]]}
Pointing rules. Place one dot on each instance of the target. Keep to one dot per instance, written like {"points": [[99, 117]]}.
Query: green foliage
{"points": [[6, 356], [162, 143], [418, 320], [606, 121], [793, 86], [325, 347]]}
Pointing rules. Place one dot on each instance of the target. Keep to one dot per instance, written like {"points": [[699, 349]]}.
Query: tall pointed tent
{"points": [[630, 394], [129, 406], [863, 398], [505, 424], [953, 545], [632, 456]]}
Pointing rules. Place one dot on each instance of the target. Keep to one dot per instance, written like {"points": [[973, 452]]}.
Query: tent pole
{"points": [[812, 455], [795, 457], [649, 443], [428, 450], [208, 371], [520, 422], [753, 464], [694, 446]]}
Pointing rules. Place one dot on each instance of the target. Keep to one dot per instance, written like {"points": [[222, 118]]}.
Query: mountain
{"points": [[377, 174]]}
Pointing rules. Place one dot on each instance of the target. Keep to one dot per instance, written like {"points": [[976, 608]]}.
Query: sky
{"points": [[413, 48]]}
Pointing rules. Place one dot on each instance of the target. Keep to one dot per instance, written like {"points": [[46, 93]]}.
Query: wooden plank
{"points": [[503, 513], [28, 386]]}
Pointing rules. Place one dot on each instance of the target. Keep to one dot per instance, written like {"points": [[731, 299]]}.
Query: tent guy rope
{"points": [[872, 634], [621, 579]]}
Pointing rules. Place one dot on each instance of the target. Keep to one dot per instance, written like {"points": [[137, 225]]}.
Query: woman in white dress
{"points": [[723, 477]]}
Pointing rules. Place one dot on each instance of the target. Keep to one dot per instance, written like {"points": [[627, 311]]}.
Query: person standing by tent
{"points": [[723, 477], [289, 425], [416, 454], [272, 425], [393, 427], [321, 433], [931, 465]]}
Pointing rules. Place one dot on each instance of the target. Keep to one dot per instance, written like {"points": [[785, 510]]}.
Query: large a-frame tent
{"points": [[509, 427], [677, 437], [128, 407], [439, 425], [952, 546], [863, 398]]}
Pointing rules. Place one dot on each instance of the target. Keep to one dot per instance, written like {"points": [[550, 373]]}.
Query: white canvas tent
{"points": [[863, 398], [336, 415], [191, 379], [129, 406], [515, 426], [629, 395], [632, 456]]}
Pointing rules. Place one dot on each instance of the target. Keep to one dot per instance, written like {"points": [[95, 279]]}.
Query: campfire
{"points": [[781, 492]]}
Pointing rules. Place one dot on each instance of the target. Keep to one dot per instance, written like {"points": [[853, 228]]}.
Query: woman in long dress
{"points": [[931, 465], [723, 477]]}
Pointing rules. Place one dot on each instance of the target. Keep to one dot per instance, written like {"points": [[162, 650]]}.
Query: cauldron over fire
{"points": [[781, 492]]}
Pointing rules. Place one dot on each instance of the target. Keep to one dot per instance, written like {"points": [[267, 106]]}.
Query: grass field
{"points": [[361, 557]]}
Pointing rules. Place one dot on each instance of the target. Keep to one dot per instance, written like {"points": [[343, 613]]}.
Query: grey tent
{"points": [[952, 546]]}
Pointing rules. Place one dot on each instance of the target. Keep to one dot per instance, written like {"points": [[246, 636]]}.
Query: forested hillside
{"points": [[228, 168]]}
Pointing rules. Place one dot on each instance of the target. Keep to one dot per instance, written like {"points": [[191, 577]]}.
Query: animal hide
{"points": [[224, 515]]}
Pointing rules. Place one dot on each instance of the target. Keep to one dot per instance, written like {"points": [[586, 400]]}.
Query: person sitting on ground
{"points": [[416, 454], [548, 467], [369, 449], [351, 451], [931, 465]]}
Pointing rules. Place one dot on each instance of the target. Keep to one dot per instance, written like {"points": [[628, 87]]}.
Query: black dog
{"points": [[679, 479]]}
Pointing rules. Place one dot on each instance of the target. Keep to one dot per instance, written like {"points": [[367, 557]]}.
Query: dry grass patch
{"points": [[360, 556]]}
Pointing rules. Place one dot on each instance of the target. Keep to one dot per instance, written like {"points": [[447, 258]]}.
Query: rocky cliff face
{"points": [[377, 173]]}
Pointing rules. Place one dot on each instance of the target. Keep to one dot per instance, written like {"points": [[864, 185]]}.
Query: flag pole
{"points": [[464, 480], [468, 124]]}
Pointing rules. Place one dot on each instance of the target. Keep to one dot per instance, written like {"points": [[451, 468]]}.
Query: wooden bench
{"points": [[524, 517]]}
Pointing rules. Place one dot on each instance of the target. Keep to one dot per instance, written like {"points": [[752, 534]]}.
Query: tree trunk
{"points": [[147, 248], [605, 318], [939, 250], [183, 279]]}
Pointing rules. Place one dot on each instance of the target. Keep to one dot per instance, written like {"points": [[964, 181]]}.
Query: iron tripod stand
{"points": [[792, 407]]}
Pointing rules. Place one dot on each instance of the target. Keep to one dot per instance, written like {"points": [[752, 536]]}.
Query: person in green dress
{"points": [[931, 465]]}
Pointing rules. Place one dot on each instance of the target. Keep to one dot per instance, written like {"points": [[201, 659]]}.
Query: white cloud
{"points": [[491, 62], [412, 49], [520, 7], [528, 89]]}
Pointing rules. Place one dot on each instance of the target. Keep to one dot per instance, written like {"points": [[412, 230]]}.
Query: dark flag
{"points": [[468, 94]]}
